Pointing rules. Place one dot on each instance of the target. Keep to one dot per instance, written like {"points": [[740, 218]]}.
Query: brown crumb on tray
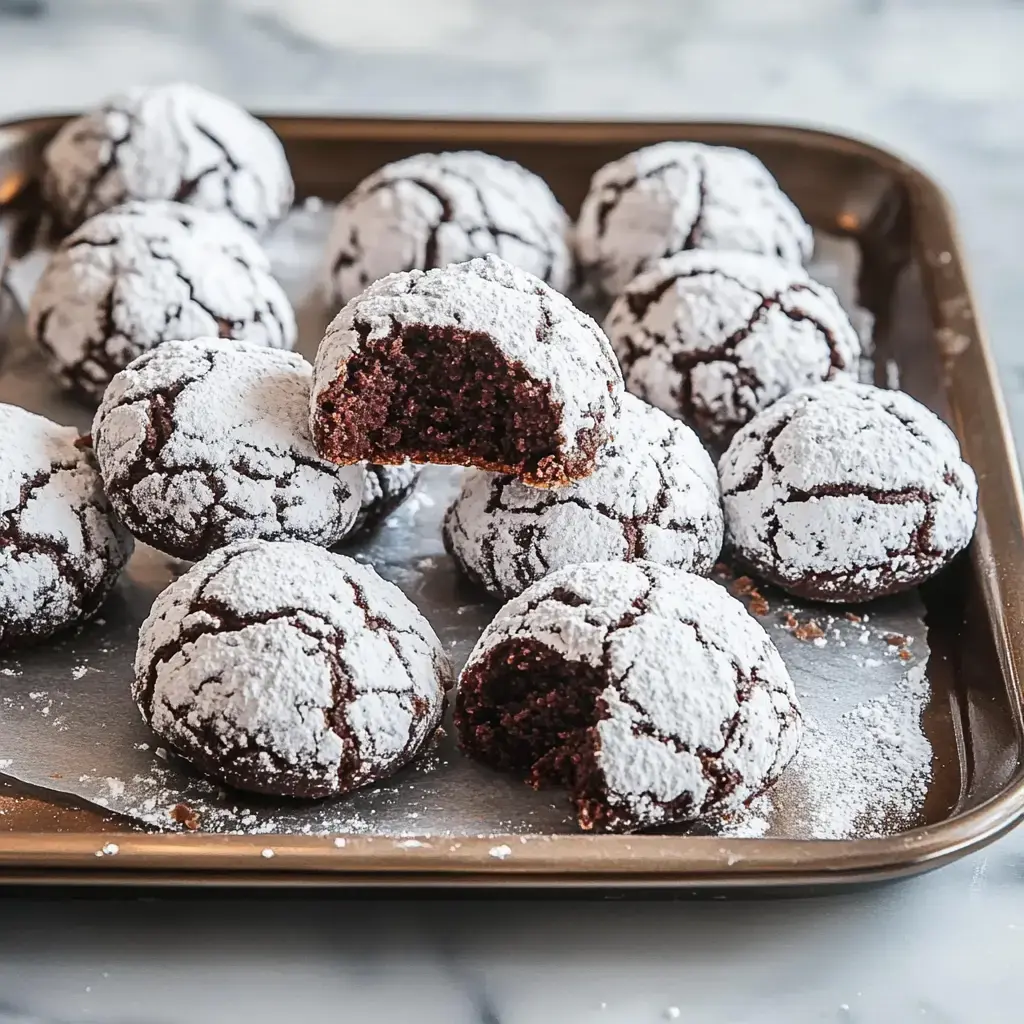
{"points": [[905, 655], [853, 617], [809, 630], [758, 605], [722, 571], [895, 639], [789, 620], [742, 586], [186, 816]]}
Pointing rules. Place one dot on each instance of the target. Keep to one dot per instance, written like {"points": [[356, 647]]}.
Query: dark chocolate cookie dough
{"points": [[281, 668], [61, 549], [477, 364], [649, 693]]}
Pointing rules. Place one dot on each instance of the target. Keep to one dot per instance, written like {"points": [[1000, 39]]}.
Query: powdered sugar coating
{"points": [[847, 492], [61, 550], [433, 209], [529, 324], [675, 196], [135, 277], [714, 337], [699, 714], [654, 495], [384, 489], [286, 669], [206, 442], [174, 141]]}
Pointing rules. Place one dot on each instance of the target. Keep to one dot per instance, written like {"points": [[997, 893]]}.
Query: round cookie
{"points": [[675, 196], [61, 550], [281, 668], [206, 442], [434, 209], [135, 277], [714, 337], [847, 492], [476, 364], [384, 489], [654, 496], [647, 692], [176, 142]]}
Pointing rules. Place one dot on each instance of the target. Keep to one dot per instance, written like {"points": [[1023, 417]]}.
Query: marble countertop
{"points": [[941, 82]]}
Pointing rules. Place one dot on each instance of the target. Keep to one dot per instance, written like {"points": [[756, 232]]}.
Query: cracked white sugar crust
{"points": [[675, 196], [174, 141], [285, 668], [714, 337], [654, 495], [846, 492], [61, 550], [206, 442], [133, 278], [433, 209], [529, 323], [693, 682]]}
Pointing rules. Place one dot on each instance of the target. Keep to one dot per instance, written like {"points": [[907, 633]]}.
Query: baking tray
{"points": [[913, 282]]}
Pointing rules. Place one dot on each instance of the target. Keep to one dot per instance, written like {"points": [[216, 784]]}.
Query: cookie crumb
{"points": [[895, 639], [809, 630], [186, 816], [500, 852], [758, 605], [743, 586], [905, 655]]}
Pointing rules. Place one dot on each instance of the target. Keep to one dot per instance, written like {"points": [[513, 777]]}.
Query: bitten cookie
{"points": [[675, 196], [654, 495], [847, 492], [175, 142], [384, 489], [714, 337], [434, 209], [137, 276], [648, 692], [206, 442], [477, 364], [61, 550], [285, 669]]}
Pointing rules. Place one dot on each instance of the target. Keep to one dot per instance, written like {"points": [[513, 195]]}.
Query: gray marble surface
{"points": [[941, 82]]}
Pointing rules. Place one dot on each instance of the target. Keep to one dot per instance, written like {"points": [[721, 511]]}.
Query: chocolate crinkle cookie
{"points": [[137, 276], [714, 337], [654, 495], [675, 196], [384, 489], [434, 209], [281, 668], [847, 492], [176, 142], [61, 549], [207, 442], [476, 364], [649, 693]]}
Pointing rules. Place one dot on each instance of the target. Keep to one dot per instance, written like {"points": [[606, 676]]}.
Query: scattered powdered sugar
{"points": [[674, 196], [654, 495], [500, 852], [433, 209], [165, 142], [509, 306], [714, 337], [849, 522], [233, 458]]}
